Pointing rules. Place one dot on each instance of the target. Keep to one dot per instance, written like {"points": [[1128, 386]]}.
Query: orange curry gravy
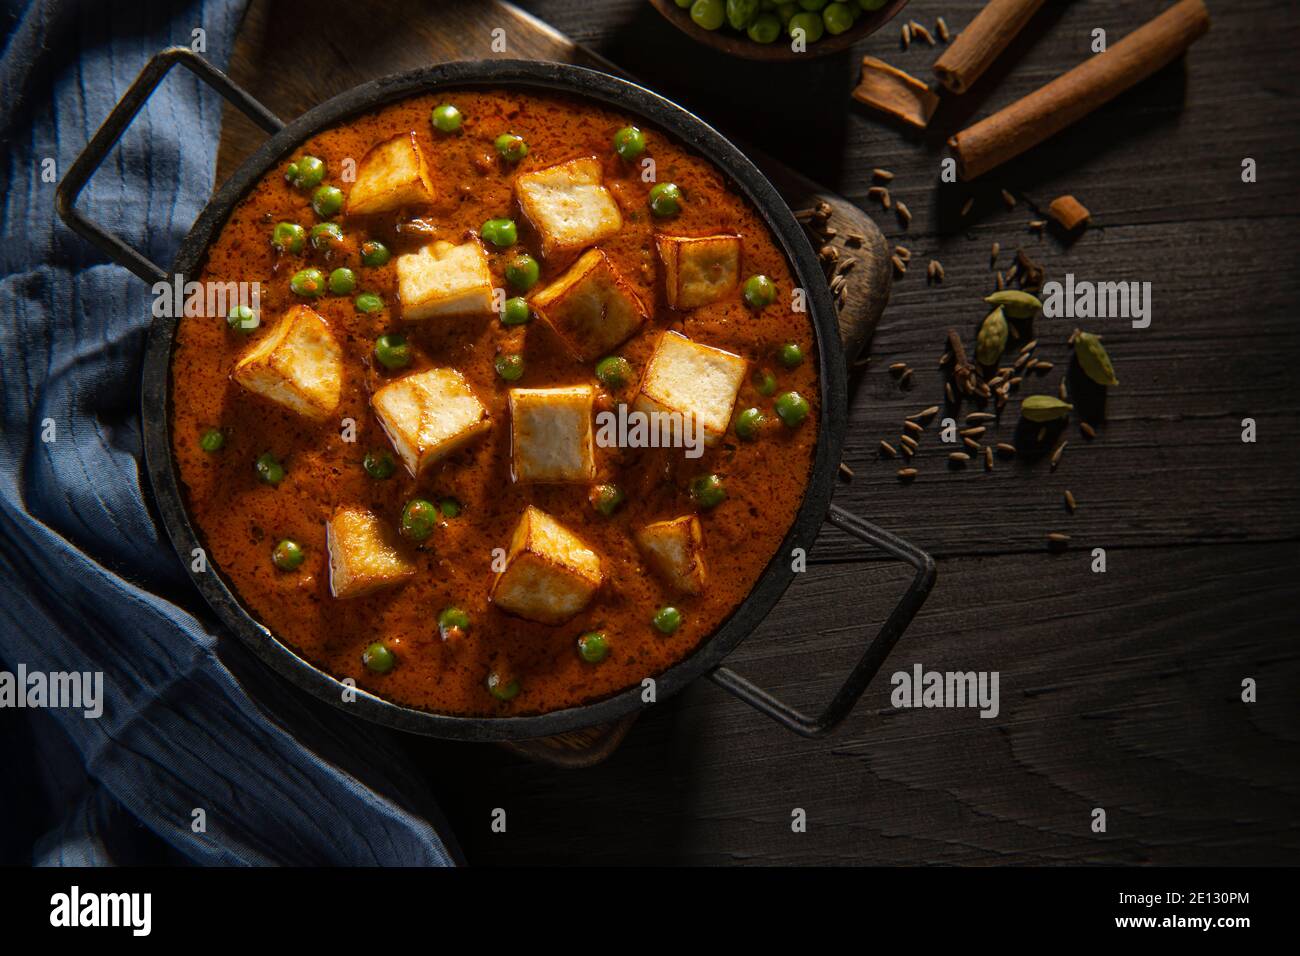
{"points": [[241, 519]]}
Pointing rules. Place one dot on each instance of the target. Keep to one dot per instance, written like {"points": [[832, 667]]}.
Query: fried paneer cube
{"points": [[699, 269], [568, 205], [298, 364], [551, 434], [365, 554], [392, 175], [693, 380], [429, 415], [443, 279], [591, 307], [550, 572], [675, 550]]}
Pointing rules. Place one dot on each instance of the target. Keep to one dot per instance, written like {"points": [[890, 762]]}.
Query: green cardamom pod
{"points": [[992, 338], [1093, 359], [1044, 408], [1019, 305]]}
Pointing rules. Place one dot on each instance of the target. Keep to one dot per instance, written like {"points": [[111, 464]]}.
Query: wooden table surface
{"points": [[1119, 690]]}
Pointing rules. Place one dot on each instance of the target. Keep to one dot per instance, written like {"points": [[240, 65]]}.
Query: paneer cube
{"points": [[365, 554], [429, 415], [568, 205], [551, 434], [297, 364], [390, 176], [699, 269], [693, 380], [591, 307], [443, 279], [675, 550], [550, 573]]}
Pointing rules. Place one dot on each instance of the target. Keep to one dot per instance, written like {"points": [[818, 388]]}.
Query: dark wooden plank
{"points": [[1118, 691]]}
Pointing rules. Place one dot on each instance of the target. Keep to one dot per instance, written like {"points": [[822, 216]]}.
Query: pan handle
{"points": [[111, 131], [876, 651]]}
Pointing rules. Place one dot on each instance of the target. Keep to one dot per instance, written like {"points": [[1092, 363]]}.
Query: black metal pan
{"points": [[707, 659]]}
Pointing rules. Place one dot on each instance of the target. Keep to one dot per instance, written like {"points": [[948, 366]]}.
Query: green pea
{"points": [[811, 25], [522, 272], [511, 147], [838, 17], [791, 354], [368, 302], [665, 199], [327, 201], [309, 282], [749, 423], [500, 232], [242, 319], [593, 647], [629, 143], [392, 351], [305, 172], [765, 28], [378, 658], [791, 408], [510, 366], [667, 620], [708, 14], [212, 440], [374, 253], [287, 555], [343, 281], [708, 491], [451, 617], [325, 236], [288, 237], [606, 498], [419, 518], [516, 311], [502, 689], [683, 4], [764, 382], [785, 11], [813, 5], [269, 469], [446, 118], [449, 507], [741, 13], [378, 464], [614, 371], [760, 291]]}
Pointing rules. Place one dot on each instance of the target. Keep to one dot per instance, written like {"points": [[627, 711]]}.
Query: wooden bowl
{"points": [[737, 44]]}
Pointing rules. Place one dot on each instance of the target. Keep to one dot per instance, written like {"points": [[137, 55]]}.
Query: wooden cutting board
{"points": [[294, 54]]}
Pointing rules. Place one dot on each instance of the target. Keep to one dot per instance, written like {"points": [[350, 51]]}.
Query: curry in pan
{"points": [[431, 455]]}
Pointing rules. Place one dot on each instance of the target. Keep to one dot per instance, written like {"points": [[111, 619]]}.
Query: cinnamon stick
{"points": [[1069, 212], [896, 93], [979, 44], [1072, 96]]}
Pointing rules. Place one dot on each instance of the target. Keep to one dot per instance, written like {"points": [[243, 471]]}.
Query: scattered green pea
{"points": [[510, 366], [342, 281], [451, 617], [764, 382], [269, 469], [419, 517], [241, 318], [790, 354], [606, 498], [749, 423], [708, 491], [500, 232], [629, 143], [593, 647], [212, 440], [522, 272], [288, 555], [309, 282], [614, 371], [378, 658], [665, 199], [450, 507], [326, 236], [368, 302], [667, 620], [791, 408], [305, 172], [392, 351], [516, 311], [378, 464], [374, 253], [759, 291], [327, 201], [511, 147], [446, 118], [288, 237], [502, 689]]}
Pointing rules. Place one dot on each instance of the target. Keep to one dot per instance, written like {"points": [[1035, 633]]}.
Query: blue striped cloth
{"points": [[88, 580]]}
